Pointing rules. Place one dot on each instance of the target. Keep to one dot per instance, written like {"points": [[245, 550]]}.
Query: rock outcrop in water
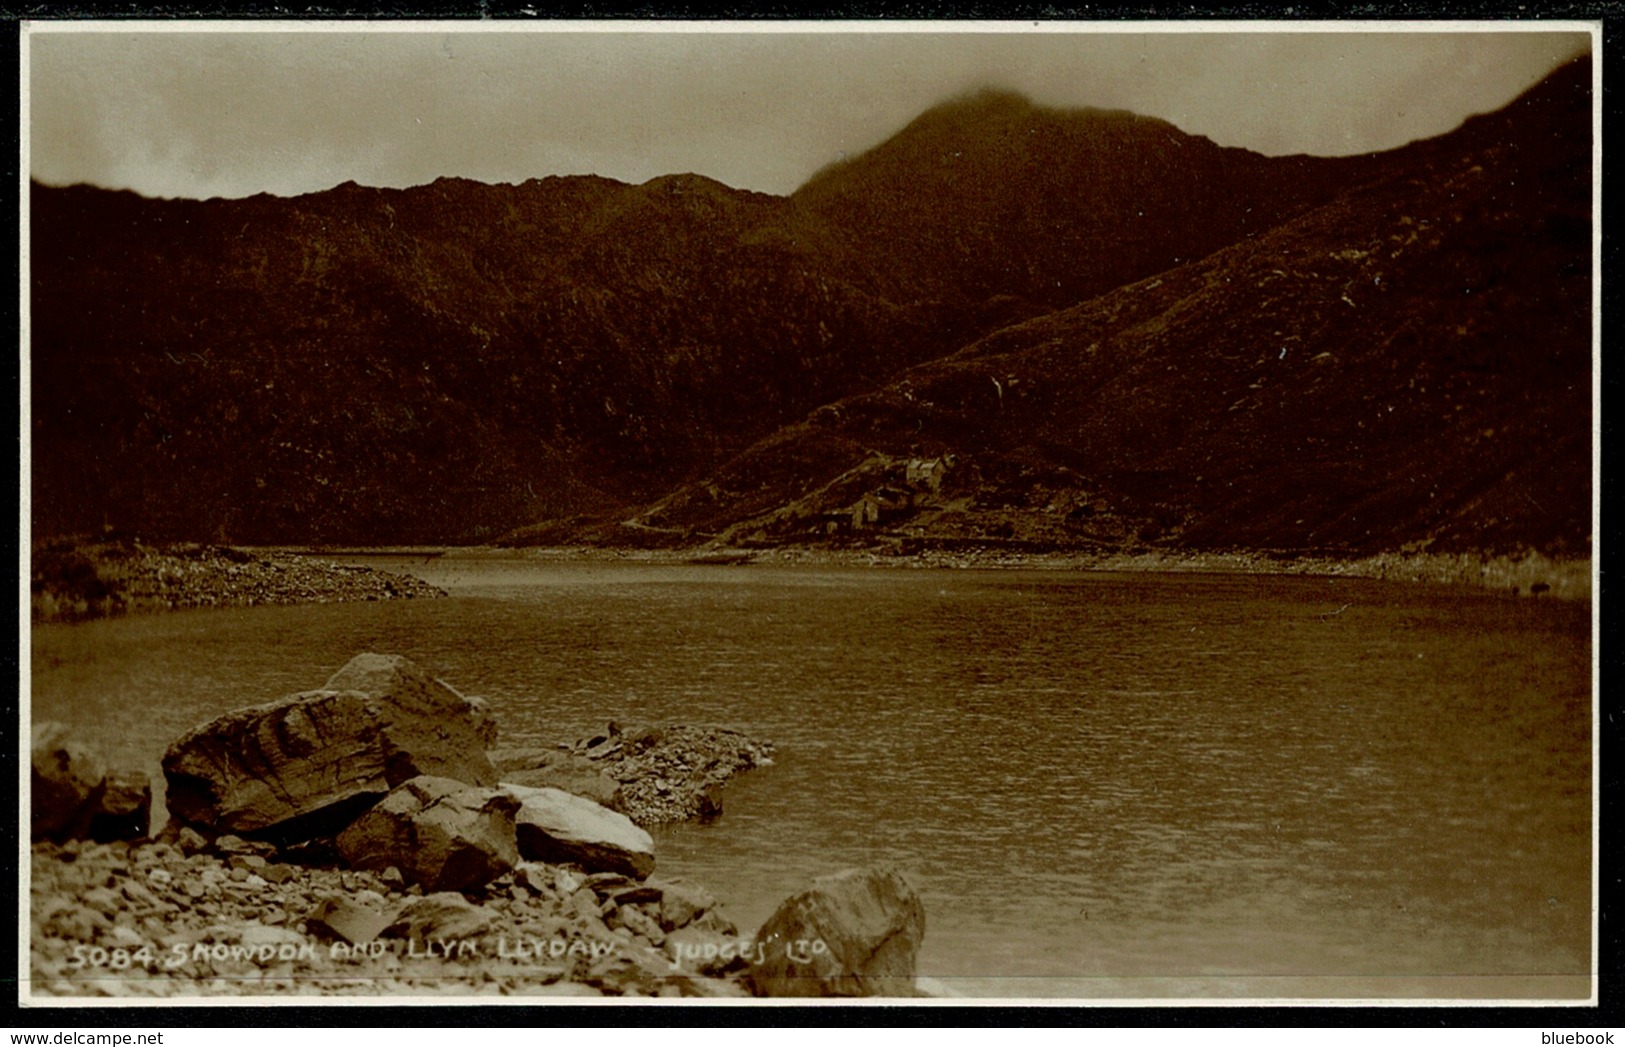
{"points": [[437, 885], [73, 581], [310, 762], [675, 772], [667, 773]]}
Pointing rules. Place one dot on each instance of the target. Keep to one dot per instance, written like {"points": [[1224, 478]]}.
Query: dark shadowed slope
{"points": [[451, 362], [432, 364], [1408, 365]]}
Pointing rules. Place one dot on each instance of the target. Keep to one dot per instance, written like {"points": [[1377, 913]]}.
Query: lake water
{"points": [[1104, 786]]}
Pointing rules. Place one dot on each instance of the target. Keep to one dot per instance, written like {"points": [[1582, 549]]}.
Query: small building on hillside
{"points": [[880, 505], [927, 473]]}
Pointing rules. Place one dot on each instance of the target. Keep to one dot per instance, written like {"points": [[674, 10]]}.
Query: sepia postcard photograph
{"points": [[735, 513]]}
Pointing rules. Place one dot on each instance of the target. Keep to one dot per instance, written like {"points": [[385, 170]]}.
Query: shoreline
{"points": [[1532, 574], [77, 582]]}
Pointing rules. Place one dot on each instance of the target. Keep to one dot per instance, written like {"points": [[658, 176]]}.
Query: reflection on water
{"points": [[1104, 785]]}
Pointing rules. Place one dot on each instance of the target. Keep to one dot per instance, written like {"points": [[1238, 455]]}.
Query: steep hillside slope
{"points": [[1408, 365], [429, 364]]}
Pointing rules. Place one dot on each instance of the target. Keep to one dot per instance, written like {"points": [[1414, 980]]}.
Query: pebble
{"points": [[124, 936], [103, 900], [138, 894]]}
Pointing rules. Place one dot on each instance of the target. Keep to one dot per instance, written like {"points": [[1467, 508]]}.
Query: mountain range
{"points": [[1007, 324]]}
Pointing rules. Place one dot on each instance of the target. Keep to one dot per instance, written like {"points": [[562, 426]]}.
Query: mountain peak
{"points": [[993, 104], [990, 193], [991, 126], [984, 101], [980, 117]]}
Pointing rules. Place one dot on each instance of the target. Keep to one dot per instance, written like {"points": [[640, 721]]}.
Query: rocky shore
{"points": [[193, 918], [73, 581], [360, 839]]}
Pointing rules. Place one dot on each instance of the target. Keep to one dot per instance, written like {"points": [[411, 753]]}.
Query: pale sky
{"points": [[231, 113]]}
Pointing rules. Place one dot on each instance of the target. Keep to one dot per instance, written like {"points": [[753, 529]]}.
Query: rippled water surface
{"points": [[1103, 785]]}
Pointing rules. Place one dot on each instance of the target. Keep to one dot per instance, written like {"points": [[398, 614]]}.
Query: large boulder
{"points": [[125, 810], [681, 903], [308, 763], [562, 828], [74, 795], [485, 721], [432, 729], [572, 773], [855, 933], [439, 832], [65, 782]]}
